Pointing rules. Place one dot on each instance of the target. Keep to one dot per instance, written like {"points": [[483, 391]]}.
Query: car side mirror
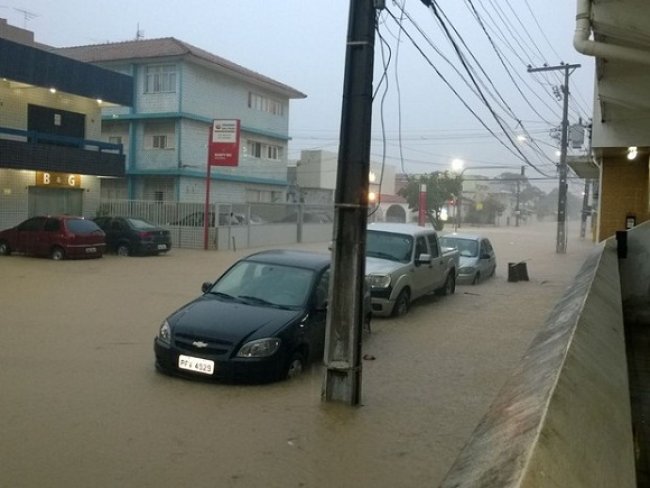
{"points": [[485, 256], [423, 259], [206, 286]]}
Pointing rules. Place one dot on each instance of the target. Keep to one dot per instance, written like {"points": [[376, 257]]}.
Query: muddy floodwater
{"points": [[81, 404]]}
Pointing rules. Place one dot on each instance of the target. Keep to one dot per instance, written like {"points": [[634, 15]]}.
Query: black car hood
{"points": [[229, 320]]}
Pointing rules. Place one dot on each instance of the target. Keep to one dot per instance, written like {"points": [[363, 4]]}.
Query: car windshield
{"points": [[386, 245], [466, 247], [267, 284], [81, 226], [140, 224]]}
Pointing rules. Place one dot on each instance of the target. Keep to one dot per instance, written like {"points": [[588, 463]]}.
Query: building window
{"points": [[159, 142], [159, 135], [259, 150], [160, 78], [274, 152], [265, 104], [255, 149]]}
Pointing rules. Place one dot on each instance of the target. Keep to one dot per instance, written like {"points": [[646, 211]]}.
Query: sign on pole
{"points": [[223, 149], [422, 206]]}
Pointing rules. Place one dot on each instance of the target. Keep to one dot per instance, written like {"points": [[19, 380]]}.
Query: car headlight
{"points": [[379, 281], [165, 333], [259, 348], [466, 270]]}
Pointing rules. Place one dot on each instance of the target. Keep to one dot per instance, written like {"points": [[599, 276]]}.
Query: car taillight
{"points": [[144, 235]]}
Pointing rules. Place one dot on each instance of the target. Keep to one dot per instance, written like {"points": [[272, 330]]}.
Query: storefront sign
{"points": [[223, 147], [58, 180]]}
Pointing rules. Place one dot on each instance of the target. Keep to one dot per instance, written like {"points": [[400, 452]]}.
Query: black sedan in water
{"points": [[262, 320], [128, 236]]}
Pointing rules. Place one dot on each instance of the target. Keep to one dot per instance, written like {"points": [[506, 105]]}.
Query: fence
{"points": [[236, 226]]}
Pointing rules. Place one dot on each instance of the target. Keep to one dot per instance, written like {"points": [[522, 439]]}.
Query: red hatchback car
{"points": [[55, 237]]}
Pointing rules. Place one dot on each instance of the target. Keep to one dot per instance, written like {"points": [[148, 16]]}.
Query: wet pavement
{"points": [[82, 405]]}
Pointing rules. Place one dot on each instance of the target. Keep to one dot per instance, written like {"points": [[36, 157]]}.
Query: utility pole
{"points": [[342, 382], [518, 207], [560, 246], [585, 209]]}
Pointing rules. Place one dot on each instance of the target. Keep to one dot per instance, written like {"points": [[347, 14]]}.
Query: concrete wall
{"points": [[563, 418], [635, 269], [624, 191]]}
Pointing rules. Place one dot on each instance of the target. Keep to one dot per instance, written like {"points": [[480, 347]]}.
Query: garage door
{"points": [[54, 201]]}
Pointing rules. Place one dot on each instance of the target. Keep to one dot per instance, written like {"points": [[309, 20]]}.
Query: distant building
{"points": [[316, 174], [179, 90]]}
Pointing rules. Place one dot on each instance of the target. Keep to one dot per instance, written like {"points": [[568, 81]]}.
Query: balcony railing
{"points": [[44, 138], [32, 150]]}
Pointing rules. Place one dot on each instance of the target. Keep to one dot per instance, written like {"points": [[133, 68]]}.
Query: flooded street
{"points": [[82, 404]]}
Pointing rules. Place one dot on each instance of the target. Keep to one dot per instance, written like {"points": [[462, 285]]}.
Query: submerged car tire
{"points": [[162, 370], [57, 253], [477, 278], [450, 285], [402, 303], [295, 366], [366, 322], [4, 249], [123, 250]]}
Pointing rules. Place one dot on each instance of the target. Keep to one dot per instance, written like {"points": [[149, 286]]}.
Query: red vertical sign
{"points": [[223, 148], [422, 206]]}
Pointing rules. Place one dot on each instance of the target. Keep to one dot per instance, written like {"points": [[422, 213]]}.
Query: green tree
{"points": [[441, 186]]}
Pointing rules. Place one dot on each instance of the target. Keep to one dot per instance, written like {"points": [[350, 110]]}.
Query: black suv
{"points": [[127, 236]]}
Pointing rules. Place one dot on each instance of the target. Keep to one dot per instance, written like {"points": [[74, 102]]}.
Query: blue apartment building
{"points": [[179, 90]]}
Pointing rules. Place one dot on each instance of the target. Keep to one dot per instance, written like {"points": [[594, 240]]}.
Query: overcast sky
{"points": [[302, 43]]}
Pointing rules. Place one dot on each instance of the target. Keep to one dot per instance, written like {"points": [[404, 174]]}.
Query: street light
{"points": [[457, 165]]}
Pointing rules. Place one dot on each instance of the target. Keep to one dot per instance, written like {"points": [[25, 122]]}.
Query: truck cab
{"points": [[405, 262]]}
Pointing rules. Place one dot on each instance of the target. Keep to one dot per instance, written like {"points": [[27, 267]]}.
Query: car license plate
{"points": [[198, 365], [91, 249], [162, 246]]}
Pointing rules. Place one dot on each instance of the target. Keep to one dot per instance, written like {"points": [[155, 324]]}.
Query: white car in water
{"points": [[477, 258]]}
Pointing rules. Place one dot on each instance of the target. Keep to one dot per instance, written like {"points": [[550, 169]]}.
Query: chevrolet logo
{"points": [[200, 344]]}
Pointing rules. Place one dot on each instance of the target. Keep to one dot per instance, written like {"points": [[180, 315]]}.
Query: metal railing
{"points": [[231, 224], [44, 138]]}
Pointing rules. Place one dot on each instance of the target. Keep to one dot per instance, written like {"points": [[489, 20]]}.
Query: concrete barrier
{"points": [[563, 418]]}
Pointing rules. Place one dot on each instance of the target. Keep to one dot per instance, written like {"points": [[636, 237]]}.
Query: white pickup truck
{"points": [[405, 262]]}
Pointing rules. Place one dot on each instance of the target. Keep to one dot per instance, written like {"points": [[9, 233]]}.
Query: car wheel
{"points": [[162, 370], [366, 323], [402, 303], [450, 284], [4, 249], [477, 279], [295, 366], [123, 250], [57, 253]]}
